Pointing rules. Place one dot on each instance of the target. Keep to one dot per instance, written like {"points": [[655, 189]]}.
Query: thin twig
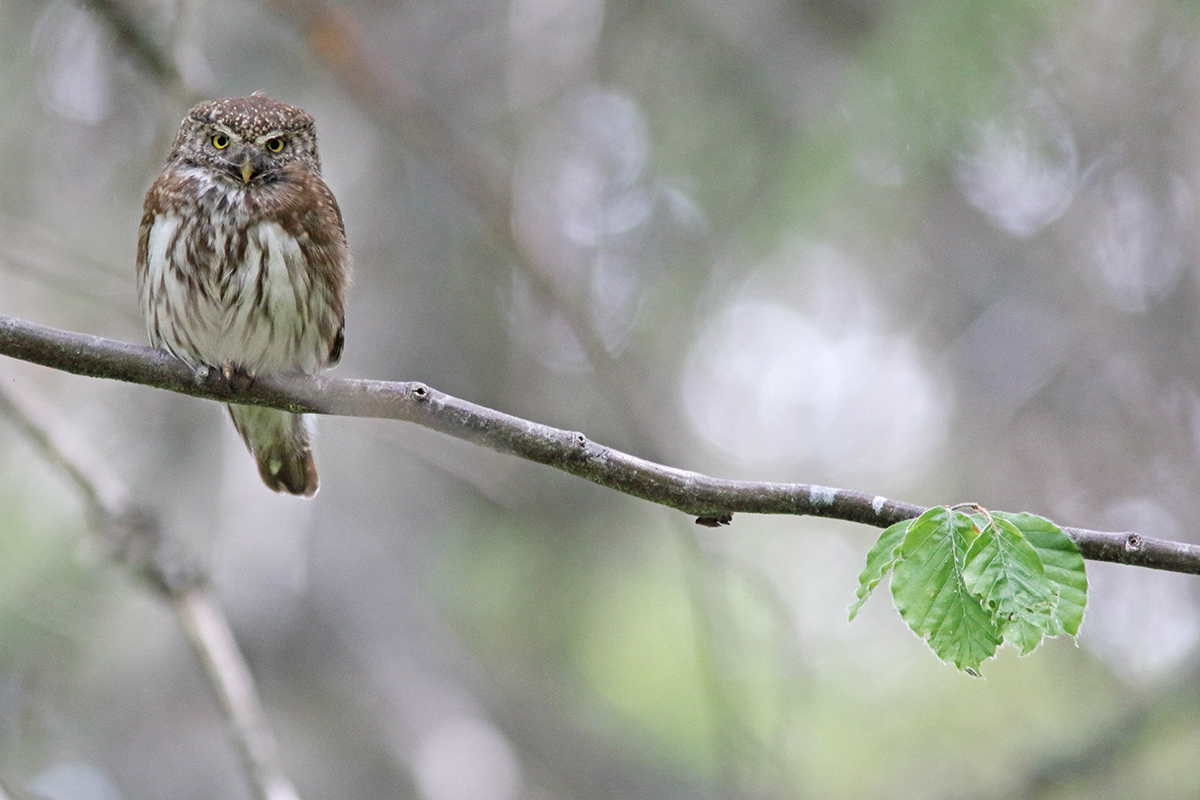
{"points": [[136, 39], [713, 501], [134, 538], [207, 630]]}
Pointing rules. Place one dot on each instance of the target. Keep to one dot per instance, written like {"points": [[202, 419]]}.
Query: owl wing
{"points": [[336, 250]]}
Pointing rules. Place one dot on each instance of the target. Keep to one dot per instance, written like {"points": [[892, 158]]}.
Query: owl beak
{"points": [[247, 169]]}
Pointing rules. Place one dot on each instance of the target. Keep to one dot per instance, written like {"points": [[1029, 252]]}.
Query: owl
{"points": [[242, 264]]}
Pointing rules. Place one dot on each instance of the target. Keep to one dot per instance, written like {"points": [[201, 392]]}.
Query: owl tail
{"points": [[279, 443]]}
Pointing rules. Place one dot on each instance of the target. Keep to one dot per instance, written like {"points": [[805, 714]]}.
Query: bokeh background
{"points": [[940, 250]]}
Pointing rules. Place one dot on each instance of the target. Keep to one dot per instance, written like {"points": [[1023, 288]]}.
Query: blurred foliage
{"points": [[830, 241]]}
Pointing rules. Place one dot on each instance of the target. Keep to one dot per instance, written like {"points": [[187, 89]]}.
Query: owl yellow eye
{"points": [[276, 144], [220, 141]]}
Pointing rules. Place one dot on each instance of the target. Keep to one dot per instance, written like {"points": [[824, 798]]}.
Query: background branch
{"points": [[713, 501], [136, 40], [134, 537]]}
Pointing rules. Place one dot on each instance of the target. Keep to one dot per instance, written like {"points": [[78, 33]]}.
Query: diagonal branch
{"points": [[713, 501], [134, 538], [137, 40]]}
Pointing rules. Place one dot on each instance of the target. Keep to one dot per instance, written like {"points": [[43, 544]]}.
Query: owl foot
{"points": [[239, 378]]}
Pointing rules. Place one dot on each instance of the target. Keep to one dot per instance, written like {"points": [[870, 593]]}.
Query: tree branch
{"points": [[134, 538], [207, 629], [713, 501], [136, 40]]}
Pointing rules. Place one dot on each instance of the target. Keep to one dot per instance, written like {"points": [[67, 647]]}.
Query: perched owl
{"points": [[242, 264]]}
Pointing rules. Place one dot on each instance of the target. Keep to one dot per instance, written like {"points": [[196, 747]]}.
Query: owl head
{"points": [[247, 140]]}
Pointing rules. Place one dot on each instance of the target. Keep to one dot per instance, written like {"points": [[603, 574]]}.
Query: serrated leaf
{"points": [[929, 592], [1005, 571], [879, 560], [1063, 567]]}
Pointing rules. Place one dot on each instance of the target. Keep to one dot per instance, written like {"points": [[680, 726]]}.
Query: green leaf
{"points": [[1005, 571], [1063, 567], [879, 560], [965, 582], [929, 592]]}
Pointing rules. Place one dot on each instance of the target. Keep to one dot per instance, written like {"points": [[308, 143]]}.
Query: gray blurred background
{"points": [[941, 251]]}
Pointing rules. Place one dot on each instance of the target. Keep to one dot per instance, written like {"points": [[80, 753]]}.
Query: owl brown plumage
{"points": [[242, 264]]}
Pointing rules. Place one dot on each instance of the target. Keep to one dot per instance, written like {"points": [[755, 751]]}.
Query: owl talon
{"points": [[239, 378]]}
